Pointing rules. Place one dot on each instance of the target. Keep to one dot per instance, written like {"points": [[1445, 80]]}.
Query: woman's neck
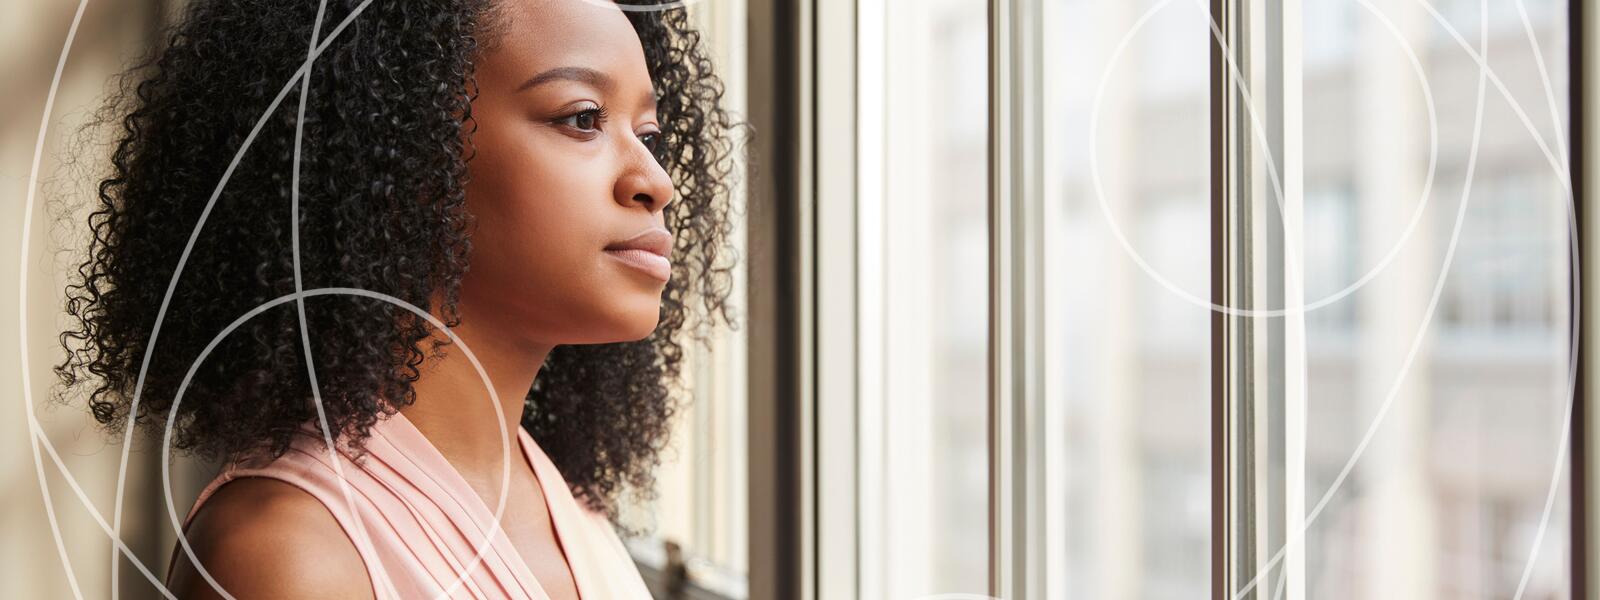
{"points": [[455, 411]]}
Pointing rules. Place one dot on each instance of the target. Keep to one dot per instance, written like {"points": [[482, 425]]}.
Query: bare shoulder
{"points": [[265, 538]]}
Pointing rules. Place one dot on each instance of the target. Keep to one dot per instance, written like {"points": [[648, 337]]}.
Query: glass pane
{"points": [[924, 239], [1128, 176], [1448, 497]]}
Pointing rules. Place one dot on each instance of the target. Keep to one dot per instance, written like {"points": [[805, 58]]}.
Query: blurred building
{"points": [[1447, 500]]}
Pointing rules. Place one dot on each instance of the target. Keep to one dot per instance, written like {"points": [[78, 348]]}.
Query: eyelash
{"points": [[600, 116], [599, 112]]}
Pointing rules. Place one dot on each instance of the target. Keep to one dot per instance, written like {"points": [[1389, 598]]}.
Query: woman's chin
{"points": [[630, 325], [644, 326]]}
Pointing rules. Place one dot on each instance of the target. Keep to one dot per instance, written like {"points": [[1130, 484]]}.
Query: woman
{"points": [[547, 178]]}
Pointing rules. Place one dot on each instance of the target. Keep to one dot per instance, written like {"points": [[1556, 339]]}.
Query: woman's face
{"points": [[563, 176]]}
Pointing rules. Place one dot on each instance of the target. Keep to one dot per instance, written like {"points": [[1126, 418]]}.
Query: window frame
{"points": [[1019, 464], [780, 428], [1583, 25], [1257, 365]]}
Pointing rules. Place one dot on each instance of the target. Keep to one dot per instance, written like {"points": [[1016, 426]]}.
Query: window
{"points": [[922, 238], [1128, 181], [1451, 453], [1236, 343]]}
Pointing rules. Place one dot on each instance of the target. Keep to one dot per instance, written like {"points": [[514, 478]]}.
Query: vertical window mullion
{"points": [[1259, 345], [837, 392], [1221, 323], [1291, 140], [1583, 24], [1003, 581], [1233, 485], [781, 534], [871, 283], [1017, 426]]}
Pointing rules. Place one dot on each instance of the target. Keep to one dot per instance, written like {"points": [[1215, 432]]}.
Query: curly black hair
{"points": [[387, 137]]}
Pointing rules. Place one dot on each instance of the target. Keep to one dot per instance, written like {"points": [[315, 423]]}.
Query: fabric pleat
{"points": [[423, 532]]}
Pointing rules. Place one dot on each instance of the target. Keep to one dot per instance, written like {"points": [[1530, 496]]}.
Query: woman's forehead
{"points": [[539, 35]]}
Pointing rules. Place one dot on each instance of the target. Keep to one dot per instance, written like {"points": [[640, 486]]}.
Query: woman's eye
{"points": [[586, 120], [651, 141]]}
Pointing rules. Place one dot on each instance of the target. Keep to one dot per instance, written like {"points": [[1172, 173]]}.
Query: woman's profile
{"points": [[546, 178]]}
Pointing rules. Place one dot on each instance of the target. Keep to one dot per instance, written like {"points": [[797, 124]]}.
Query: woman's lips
{"points": [[647, 251], [647, 262]]}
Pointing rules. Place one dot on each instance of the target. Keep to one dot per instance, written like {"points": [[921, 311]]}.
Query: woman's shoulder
{"points": [[260, 537]]}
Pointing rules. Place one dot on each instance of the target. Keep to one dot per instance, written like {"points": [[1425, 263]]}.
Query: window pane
{"points": [[1130, 355], [924, 247], [1448, 497]]}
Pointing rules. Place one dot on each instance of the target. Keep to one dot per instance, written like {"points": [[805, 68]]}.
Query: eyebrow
{"points": [[579, 74]]}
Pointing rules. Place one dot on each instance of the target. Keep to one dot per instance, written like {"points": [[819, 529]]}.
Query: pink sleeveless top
{"points": [[419, 525]]}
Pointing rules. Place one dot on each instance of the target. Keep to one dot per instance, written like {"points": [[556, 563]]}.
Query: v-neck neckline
{"points": [[481, 515]]}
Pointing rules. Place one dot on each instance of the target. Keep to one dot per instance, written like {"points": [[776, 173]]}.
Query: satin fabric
{"points": [[420, 526]]}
